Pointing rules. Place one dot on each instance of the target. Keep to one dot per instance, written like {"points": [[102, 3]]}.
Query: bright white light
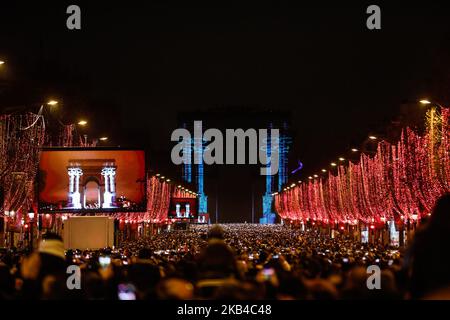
{"points": [[424, 101]]}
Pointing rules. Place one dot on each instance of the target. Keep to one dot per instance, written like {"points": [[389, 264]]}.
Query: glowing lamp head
{"points": [[52, 102], [354, 150], [341, 159], [372, 137], [103, 138], [333, 164], [425, 101], [315, 176], [2, 62], [31, 215], [323, 170], [82, 122]]}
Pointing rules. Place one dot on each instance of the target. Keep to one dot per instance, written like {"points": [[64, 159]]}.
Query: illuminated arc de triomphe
{"points": [[92, 183]]}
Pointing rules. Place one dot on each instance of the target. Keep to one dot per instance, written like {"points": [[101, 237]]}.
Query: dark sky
{"points": [[134, 66]]}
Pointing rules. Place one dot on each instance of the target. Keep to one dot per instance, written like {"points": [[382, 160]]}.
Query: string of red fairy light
{"points": [[400, 182], [159, 192]]}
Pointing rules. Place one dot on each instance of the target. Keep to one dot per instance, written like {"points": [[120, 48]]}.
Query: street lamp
{"points": [[31, 239], [354, 150], [83, 123], [372, 137], [103, 138], [2, 62], [428, 102], [425, 102], [52, 102]]}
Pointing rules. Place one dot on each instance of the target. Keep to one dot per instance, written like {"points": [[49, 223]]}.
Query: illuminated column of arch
{"points": [[108, 174], [74, 187]]}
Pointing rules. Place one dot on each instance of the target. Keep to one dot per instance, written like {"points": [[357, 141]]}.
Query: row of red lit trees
{"points": [[159, 193], [400, 182]]}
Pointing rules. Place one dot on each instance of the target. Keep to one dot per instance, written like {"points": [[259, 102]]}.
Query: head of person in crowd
{"points": [[428, 263], [217, 260], [44, 271], [175, 289], [6, 283], [145, 277], [216, 233], [440, 217]]}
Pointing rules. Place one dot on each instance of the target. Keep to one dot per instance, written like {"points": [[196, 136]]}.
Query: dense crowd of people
{"points": [[236, 261]]}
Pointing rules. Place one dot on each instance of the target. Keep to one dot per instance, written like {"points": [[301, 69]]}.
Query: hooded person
{"points": [[52, 245], [44, 267]]}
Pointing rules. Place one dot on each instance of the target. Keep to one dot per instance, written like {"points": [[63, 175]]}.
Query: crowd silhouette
{"points": [[238, 262]]}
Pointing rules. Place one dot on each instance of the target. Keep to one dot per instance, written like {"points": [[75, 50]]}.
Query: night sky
{"points": [[133, 67]]}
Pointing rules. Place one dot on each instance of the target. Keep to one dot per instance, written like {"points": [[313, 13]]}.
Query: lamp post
{"points": [[31, 241], [83, 123], [11, 232]]}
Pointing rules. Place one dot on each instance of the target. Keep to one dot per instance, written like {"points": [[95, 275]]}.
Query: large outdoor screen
{"points": [[96, 180], [183, 208]]}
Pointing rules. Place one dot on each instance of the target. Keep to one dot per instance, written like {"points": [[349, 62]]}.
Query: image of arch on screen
{"points": [[92, 180]]}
